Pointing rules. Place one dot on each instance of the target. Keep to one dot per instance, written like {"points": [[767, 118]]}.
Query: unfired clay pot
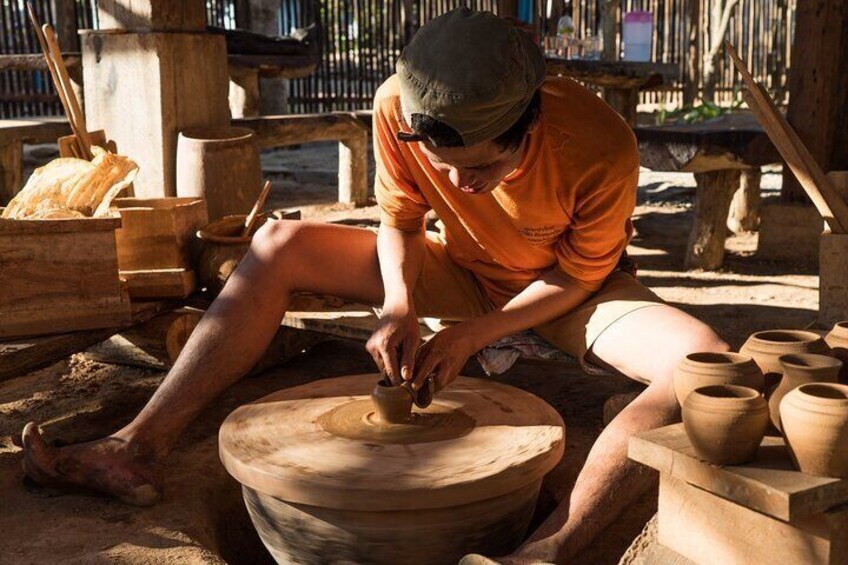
{"points": [[837, 339], [707, 368], [325, 482], [766, 347], [800, 369], [815, 424], [220, 247], [393, 404], [725, 423]]}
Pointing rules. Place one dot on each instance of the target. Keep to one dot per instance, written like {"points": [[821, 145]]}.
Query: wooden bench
{"points": [[349, 130], [725, 154]]}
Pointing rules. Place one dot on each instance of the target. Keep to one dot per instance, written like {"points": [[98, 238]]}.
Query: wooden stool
{"points": [[762, 512]]}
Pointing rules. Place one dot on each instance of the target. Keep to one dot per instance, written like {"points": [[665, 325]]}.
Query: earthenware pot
{"points": [[815, 424], [837, 339], [220, 247], [800, 369], [393, 404], [707, 368], [766, 347], [725, 423]]}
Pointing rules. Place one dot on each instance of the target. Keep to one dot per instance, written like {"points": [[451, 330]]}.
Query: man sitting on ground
{"points": [[534, 180]]}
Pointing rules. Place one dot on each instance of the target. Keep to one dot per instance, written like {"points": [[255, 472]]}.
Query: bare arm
{"points": [[395, 342], [550, 296]]}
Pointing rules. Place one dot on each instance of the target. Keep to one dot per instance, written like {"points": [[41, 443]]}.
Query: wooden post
{"points": [[609, 24], [508, 8], [712, 204], [263, 16], [65, 24], [11, 170], [692, 70], [142, 87], [745, 208], [818, 81], [353, 169], [244, 92]]}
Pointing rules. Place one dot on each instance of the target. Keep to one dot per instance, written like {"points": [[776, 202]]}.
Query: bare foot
{"points": [[110, 465], [515, 559]]}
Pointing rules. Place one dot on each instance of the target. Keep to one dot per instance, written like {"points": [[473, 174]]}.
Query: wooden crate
{"points": [[154, 244], [58, 276]]}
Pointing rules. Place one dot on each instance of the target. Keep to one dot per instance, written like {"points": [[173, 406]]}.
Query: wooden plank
{"points": [[708, 529], [69, 226], [770, 484], [19, 357], [827, 201], [35, 62], [160, 283], [43, 130]]}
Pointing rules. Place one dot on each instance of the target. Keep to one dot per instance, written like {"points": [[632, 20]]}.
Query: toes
{"points": [[39, 457], [475, 559], [143, 495]]}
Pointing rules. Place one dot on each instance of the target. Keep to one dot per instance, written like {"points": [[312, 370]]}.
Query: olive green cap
{"points": [[472, 71]]}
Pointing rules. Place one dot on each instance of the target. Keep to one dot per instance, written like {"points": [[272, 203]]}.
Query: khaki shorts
{"points": [[448, 292]]}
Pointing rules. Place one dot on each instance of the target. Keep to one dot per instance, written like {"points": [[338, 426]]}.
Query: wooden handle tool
{"points": [[250, 221], [826, 199]]}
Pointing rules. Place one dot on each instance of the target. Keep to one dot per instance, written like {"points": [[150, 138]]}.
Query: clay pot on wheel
{"points": [[707, 368], [837, 339], [815, 423], [393, 404], [766, 347], [725, 423], [801, 369], [220, 247]]}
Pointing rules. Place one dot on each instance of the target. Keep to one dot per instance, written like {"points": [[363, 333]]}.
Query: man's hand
{"points": [[444, 356], [394, 343]]}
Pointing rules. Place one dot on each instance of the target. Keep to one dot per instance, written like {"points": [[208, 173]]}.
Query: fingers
{"points": [[390, 364], [407, 361], [425, 365]]}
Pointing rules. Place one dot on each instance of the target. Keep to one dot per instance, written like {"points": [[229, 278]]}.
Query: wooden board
{"points": [[160, 283], [708, 529], [58, 276], [19, 357], [770, 484]]}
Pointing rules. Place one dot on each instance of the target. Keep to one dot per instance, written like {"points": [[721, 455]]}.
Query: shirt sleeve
{"points": [[402, 205], [601, 229]]}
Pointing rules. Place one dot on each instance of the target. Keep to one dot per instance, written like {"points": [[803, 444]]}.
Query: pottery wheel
{"points": [[319, 444]]}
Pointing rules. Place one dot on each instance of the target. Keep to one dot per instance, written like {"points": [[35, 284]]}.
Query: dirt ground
{"points": [[202, 518]]}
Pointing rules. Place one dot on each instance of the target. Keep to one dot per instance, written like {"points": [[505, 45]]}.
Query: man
{"points": [[534, 181]]}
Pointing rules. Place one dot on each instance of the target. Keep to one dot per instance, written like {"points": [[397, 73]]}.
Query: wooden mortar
{"points": [[325, 481]]}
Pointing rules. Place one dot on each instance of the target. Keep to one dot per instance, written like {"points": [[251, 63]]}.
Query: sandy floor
{"points": [[202, 519]]}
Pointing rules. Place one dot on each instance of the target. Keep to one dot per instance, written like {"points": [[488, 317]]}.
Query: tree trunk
{"points": [[712, 203], [719, 24], [744, 214]]}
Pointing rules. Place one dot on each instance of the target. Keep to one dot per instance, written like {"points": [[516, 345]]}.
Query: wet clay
{"points": [[709, 368], [815, 424], [325, 480], [800, 369], [392, 404], [725, 423]]}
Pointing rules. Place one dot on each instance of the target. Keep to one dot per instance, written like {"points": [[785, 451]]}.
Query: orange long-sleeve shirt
{"points": [[568, 204]]}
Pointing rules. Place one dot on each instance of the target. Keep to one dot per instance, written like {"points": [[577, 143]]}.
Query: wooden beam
{"points": [[818, 81]]}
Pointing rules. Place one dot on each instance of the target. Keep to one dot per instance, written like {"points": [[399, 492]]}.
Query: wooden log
{"points": [[745, 208], [152, 15], [11, 170], [175, 81], [19, 357], [712, 204]]}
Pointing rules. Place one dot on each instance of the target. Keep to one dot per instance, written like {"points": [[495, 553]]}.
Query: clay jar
{"points": [[220, 247], [837, 339], [766, 347], [815, 423], [800, 369], [707, 368], [393, 404], [725, 423]]}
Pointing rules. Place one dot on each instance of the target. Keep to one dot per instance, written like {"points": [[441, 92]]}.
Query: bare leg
{"points": [[285, 257], [609, 482]]}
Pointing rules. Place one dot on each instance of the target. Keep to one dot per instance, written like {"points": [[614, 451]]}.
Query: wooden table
{"points": [[621, 80], [725, 154], [762, 512]]}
